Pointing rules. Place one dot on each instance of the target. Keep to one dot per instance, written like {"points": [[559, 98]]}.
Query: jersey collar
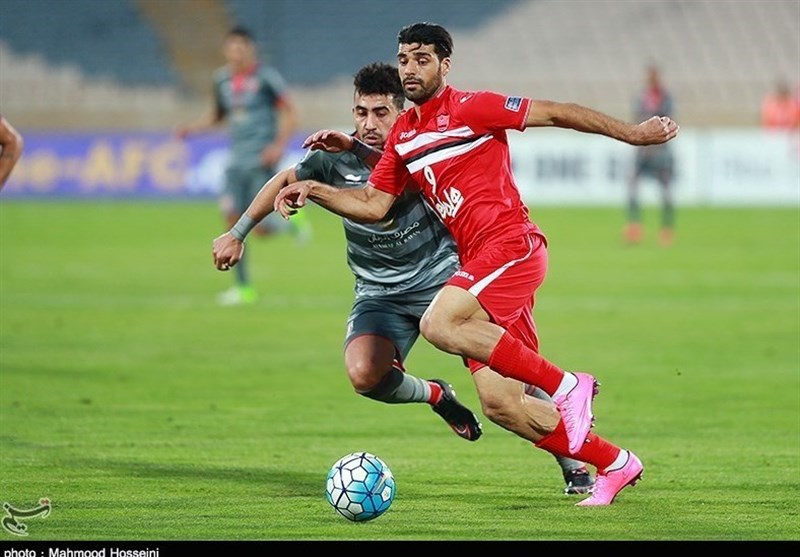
{"points": [[430, 108]]}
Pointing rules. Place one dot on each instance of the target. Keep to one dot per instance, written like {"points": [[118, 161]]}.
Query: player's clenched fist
{"points": [[227, 251], [658, 129]]}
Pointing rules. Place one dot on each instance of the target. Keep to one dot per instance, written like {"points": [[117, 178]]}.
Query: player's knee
{"points": [[364, 375]]}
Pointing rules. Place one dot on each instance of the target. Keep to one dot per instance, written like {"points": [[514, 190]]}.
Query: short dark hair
{"points": [[428, 34], [240, 32], [380, 78]]}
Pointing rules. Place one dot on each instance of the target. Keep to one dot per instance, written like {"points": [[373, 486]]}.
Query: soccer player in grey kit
{"points": [[253, 99], [399, 265]]}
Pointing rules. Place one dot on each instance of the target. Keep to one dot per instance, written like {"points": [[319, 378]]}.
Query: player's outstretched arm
{"points": [[363, 205], [287, 125], [208, 121], [658, 129], [335, 141], [11, 145], [228, 248]]}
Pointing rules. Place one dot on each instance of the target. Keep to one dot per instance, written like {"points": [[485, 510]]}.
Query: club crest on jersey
{"points": [[442, 121], [513, 103]]}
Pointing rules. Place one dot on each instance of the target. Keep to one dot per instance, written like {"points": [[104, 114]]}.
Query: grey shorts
{"points": [[396, 319], [241, 186], [654, 161]]}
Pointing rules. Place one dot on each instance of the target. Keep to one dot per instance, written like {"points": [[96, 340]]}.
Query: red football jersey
{"points": [[457, 151]]}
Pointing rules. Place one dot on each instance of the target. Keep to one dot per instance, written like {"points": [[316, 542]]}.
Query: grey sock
{"points": [[399, 388]]}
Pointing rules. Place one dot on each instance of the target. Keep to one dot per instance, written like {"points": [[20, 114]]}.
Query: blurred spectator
{"points": [[654, 161], [261, 117], [780, 110], [11, 144]]}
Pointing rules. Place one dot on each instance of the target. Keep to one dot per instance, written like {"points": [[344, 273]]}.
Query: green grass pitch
{"points": [[144, 411]]}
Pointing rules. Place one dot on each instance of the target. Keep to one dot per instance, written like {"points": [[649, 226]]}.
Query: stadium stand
{"points": [[719, 56], [108, 40], [316, 41]]}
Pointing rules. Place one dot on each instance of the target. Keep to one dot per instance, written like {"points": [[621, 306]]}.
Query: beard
{"points": [[424, 91]]}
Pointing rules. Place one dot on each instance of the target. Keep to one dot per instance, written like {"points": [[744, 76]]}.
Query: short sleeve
{"points": [[315, 165], [487, 111], [219, 104], [274, 83], [390, 174]]}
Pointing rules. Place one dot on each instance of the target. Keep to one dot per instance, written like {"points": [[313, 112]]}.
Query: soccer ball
{"points": [[360, 487]]}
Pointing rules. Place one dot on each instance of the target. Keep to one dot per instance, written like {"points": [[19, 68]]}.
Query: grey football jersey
{"points": [[410, 250], [250, 110]]}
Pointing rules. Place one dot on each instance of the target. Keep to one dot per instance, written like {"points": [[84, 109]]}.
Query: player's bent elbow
{"points": [[376, 204], [369, 213], [366, 218], [375, 215]]}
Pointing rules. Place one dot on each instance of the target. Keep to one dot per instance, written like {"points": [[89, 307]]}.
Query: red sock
{"points": [[596, 451], [556, 442], [436, 393], [511, 358]]}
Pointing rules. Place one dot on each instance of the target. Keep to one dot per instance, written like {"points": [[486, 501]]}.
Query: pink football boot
{"points": [[576, 410], [607, 485]]}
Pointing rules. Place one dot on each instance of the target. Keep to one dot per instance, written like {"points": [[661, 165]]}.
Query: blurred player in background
{"points": [[261, 119], [780, 110], [653, 161], [399, 265], [453, 145], [11, 144]]}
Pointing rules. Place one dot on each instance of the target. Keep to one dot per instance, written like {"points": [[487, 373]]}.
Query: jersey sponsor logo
{"points": [[396, 235], [464, 274], [442, 121], [408, 134], [513, 103], [396, 238], [465, 98], [449, 204]]}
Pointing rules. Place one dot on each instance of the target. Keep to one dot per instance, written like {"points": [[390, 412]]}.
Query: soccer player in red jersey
{"points": [[453, 145]]}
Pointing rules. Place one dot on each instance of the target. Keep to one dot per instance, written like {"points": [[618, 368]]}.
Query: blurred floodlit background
{"points": [[118, 75]]}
